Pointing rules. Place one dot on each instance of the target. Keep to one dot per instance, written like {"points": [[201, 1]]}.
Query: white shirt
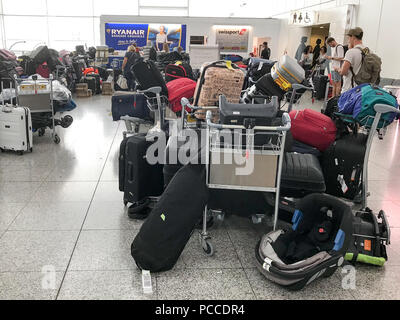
{"points": [[338, 52], [307, 60], [354, 57]]}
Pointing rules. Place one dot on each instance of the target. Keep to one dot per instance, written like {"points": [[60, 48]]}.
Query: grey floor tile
{"points": [[104, 250], [377, 283], [33, 250], [105, 285], [110, 172], [29, 285], [8, 212], [77, 171], [195, 284], [65, 192], [110, 216], [108, 192], [51, 216], [24, 173], [225, 256], [18, 192]]}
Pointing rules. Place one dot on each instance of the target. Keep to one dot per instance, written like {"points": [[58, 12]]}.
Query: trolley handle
{"points": [[384, 108], [286, 125]]}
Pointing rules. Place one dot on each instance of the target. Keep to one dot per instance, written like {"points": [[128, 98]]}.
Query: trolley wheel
{"points": [[20, 153], [207, 245], [57, 139], [31, 150], [125, 203]]}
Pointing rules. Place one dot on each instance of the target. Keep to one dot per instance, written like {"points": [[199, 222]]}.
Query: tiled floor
{"points": [[64, 232]]}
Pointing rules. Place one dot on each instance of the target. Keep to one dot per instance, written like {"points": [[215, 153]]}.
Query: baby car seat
{"points": [[314, 248]]}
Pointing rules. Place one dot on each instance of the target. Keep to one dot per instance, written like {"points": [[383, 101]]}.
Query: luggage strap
{"points": [[229, 65]]}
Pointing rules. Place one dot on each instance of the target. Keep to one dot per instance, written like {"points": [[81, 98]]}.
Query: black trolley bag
{"points": [[343, 165], [148, 76], [91, 81], [320, 84], [167, 230], [138, 179], [268, 87], [40, 55], [130, 104], [177, 71]]}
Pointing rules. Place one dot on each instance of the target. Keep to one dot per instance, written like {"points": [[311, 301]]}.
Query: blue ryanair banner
{"points": [[121, 36]]}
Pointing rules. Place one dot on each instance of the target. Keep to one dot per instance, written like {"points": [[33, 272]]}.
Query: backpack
{"points": [[371, 67]]}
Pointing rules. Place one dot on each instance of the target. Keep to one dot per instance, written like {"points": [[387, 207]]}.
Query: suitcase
{"points": [[178, 70], [268, 87], [313, 128], [287, 72], [7, 55], [40, 55], [91, 82], [133, 105], [167, 230], [343, 166], [259, 69], [302, 148], [140, 179], [43, 70], [178, 89], [320, 84], [218, 78], [148, 76], [98, 82], [15, 129], [249, 115]]}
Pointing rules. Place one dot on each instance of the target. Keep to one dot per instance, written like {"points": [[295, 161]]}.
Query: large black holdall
{"points": [[268, 87], [177, 71], [148, 76], [137, 178], [343, 165], [170, 225], [40, 55]]}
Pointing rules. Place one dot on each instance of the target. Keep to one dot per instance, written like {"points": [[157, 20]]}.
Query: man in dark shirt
{"points": [[266, 53], [130, 59]]}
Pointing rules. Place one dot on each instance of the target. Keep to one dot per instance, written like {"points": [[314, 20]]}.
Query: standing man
{"points": [[337, 61], [301, 49], [266, 53], [353, 59]]}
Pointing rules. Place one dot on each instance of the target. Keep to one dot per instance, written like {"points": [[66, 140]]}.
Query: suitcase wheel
{"points": [[57, 139], [207, 245]]}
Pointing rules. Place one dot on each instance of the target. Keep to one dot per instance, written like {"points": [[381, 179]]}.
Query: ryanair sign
{"points": [[121, 36]]}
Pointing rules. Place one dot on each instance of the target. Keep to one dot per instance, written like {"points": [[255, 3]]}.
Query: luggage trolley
{"points": [[265, 170], [38, 97]]}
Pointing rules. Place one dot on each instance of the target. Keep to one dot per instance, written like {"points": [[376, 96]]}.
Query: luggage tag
{"points": [[343, 184], [146, 282]]}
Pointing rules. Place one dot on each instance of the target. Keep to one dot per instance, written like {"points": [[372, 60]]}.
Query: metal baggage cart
{"points": [[38, 97], [266, 169]]}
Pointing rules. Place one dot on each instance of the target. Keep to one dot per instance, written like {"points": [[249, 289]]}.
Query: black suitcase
{"points": [[91, 81], [249, 115], [54, 60], [176, 71], [345, 158], [97, 89], [141, 180], [320, 84], [268, 87], [148, 76], [133, 105], [40, 55], [170, 225], [260, 69]]}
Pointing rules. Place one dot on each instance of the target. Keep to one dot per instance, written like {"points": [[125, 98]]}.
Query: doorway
{"points": [[319, 32]]}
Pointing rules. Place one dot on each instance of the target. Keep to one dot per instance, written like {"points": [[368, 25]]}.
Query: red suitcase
{"points": [[313, 128], [178, 89]]}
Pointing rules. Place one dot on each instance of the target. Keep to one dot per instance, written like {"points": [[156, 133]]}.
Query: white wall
{"points": [[204, 26], [381, 24]]}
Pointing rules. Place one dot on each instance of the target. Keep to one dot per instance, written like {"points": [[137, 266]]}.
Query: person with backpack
{"points": [[130, 59], [338, 53], [360, 64]]}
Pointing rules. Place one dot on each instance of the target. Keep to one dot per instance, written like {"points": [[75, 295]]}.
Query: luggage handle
{"points": [[286, 124], [130, 172]]}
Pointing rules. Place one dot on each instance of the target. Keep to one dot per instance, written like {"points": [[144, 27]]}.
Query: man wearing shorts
{"points": [[337, 60]]}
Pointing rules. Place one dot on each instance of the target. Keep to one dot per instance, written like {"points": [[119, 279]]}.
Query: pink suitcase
{"points": [[7, 55], [178, 89], [313, 128]]}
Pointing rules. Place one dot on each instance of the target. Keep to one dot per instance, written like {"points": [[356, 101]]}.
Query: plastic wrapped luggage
{"points": [[314, 248], [218, 78], [287, 72], [166, 231], [131, 104], [138, 179], [268, 87], [178, 70], [40, 55], [15, 129], [148, 76], [7, 55], [178, 89], [313, 128], [343, 165]]}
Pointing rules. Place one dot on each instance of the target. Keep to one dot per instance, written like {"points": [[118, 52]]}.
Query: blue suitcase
{"points": [[130, 104]]}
